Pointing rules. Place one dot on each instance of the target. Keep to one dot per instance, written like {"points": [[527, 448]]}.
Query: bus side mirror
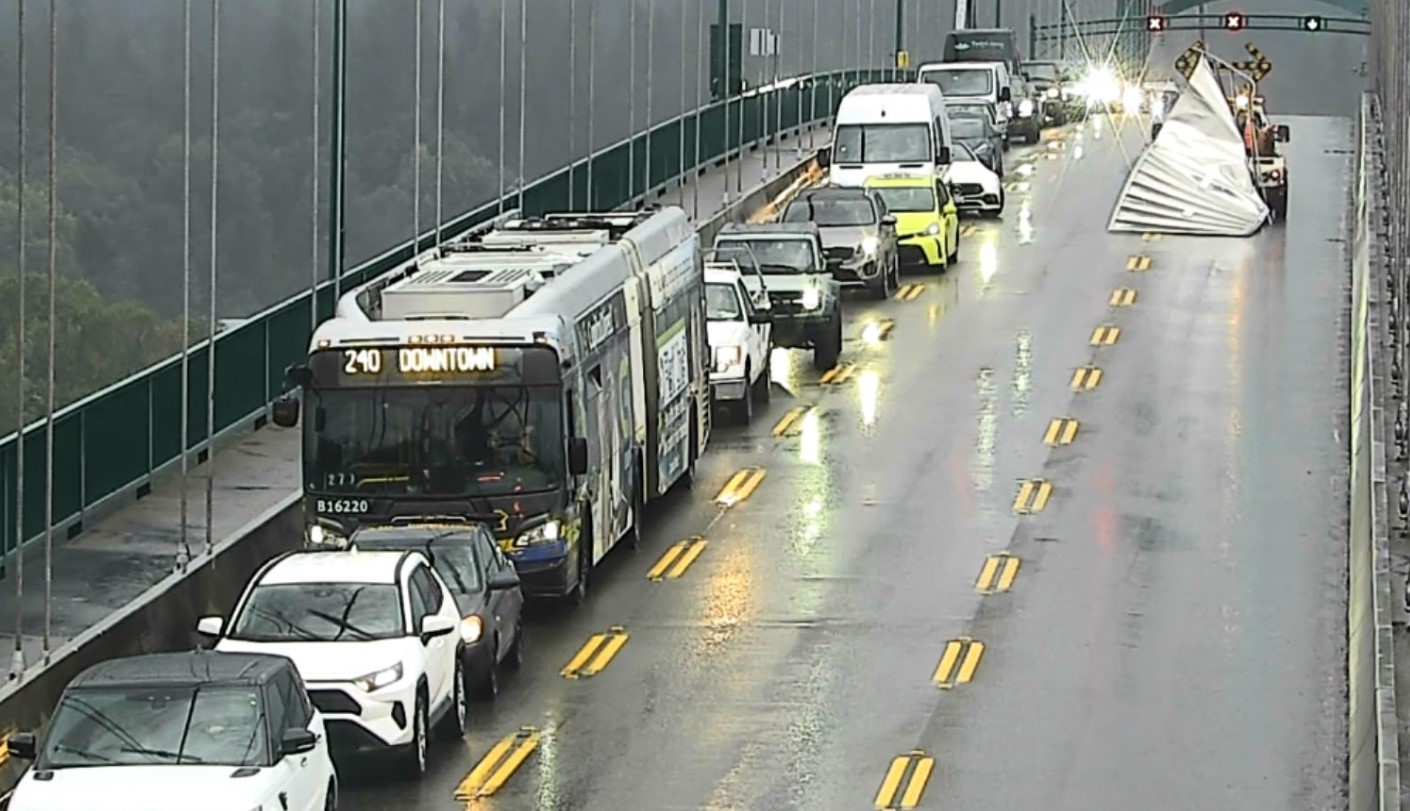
{"points": [[825, 157], [1281, 133], [577, 456], [299, 375], [1005, 94], [286, 411]]}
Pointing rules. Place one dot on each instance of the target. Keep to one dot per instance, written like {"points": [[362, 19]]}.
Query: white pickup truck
{"points": [[739, 324]]}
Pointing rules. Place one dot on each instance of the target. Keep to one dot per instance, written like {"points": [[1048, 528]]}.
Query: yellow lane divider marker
{"points": [[792, 421], [1086, 378], [1152, 237], [740, 486], [998, 574], [677, 559], [958, 662], [911, 770], [1061, 431], [771, 209], [1105, 335], [1136, 264], [498, 765], [874, 332], [1122, 297], [1033, 496], [601, 649], [968, 230], [838, 374], [910, 292]]}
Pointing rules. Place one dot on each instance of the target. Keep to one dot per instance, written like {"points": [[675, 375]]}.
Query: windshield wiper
{"points": [[293, 627], [163, 753], [343, 624], [83, 753], [777, 266]]}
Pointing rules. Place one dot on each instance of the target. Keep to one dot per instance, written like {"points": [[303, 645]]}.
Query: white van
{"points": [[987, 81], [885, 129]]}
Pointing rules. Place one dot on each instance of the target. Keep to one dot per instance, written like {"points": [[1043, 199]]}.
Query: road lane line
{"points": [[574, 666], [616, 637], [997, 574], [726, 495], [973, 654], [1061, 431], [1010, 573], [1086, 378], [471, 786], [788, 423], [1105, 335], [986, 574], [892, 782], [919, 779], [658, 571], [1033, 495], [750, 485], [1122, 297], [946, 668], [677, 559]]}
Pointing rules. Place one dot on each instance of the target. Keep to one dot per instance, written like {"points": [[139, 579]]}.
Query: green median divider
{"points": [[110, 446]]}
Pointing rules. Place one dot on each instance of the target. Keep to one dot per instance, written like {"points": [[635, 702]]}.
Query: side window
{"points": [[297, 712], [487, 555], [430, 590], [942, 193], [276, 709], [420, 605], [744, 296]]}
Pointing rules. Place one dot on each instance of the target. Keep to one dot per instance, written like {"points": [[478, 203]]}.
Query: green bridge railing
{"points": [[109, 446]]}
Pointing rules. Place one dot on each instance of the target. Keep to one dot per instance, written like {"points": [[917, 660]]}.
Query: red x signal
{"points": [[1155, 23], [1233, 21]]}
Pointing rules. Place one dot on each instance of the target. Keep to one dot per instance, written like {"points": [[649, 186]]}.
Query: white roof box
{"points": [[472, 285]]}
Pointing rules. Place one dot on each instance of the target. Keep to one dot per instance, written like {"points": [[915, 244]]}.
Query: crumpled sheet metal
{"points": [[1194, 178]]}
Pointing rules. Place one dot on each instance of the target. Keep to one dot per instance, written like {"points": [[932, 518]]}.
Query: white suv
{"points": [[372, 634], [738, 323]]}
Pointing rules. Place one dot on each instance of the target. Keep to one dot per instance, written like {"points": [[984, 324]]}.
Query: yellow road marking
{"points": [[1086, 377], [1105, 335], [1122, 297], [838, 374], [1033, 496], [1152, 237], [1061, 431], [919, 765], [495, 769], [770, 209], [958, 662], [1138, 263], [601, 649], [740, 486], [677, 559], [968, 230], [910, 292], [789, 421], [998, 573]]}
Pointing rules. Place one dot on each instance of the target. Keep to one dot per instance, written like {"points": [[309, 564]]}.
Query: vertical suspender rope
{"points": [[416, 138], [503, 57], [700, 46], [215, 244], [573, 106], [680, 122], [523, 90], [724, 94], [743, 29], [17, 660], [857, 77], [592, 103], [871, 35], [631, 101], [440, 114], [316, 170], [338, 160], [183, 552], [765, 41], [813, 89], [778, 91], [650, 91], [53, 325]]}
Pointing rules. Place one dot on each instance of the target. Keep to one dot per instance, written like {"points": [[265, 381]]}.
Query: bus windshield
{"points": [[883, 143], [1042, 72], [442, 441]]}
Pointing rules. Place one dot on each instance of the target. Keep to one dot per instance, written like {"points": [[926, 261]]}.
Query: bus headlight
{"points": [[812, 298], [546, 532]]}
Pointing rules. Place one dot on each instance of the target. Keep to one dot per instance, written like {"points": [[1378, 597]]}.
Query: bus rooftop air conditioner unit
{"points": [[461, 289]]}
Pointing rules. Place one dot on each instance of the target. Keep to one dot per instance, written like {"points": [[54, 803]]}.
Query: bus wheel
{"points": [[579, 593]]}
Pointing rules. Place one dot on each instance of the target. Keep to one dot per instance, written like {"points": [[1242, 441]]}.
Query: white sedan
{"points": [[974, 185]]}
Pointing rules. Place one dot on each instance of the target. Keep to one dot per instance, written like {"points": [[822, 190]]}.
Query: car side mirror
{"points": [[577, 456], [1281, 134], [889, 221], [944, 154], [434, 626], [297, 741], [1005, 94], [825, 157], [22, 745], [760, 317], [504, 580], [285, 412], [210, 626]]}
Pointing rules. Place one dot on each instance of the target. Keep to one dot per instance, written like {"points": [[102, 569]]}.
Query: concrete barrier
{"points": [[1373, 743], [163, 618]]}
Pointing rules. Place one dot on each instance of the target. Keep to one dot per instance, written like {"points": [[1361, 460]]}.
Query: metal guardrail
{"points": [[109, 446]]}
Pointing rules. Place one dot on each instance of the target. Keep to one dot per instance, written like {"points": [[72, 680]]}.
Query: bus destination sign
{"points": [[432, 364]]}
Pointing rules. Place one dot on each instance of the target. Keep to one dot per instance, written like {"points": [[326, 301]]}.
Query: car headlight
{"points": [[869, 246], [1052, 92], [812, 298], [379, 679], [323, 537], [727, 357], [933, 229], [1025, 108], [471, 628], [546, 532]]}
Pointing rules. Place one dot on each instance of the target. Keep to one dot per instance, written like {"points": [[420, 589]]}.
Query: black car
{"points": [[1050, 80], [484, 584], [983, 139]]}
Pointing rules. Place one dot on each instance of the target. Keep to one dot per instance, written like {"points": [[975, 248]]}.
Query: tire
{"points": [[414, 762], [515, 657], [452, 726], [744, 409], [954, 256], [1033, 137], [896, 273], [882, 290], [330, 797], [827, 348], [488, 688], [762, 389], [578, 595]]}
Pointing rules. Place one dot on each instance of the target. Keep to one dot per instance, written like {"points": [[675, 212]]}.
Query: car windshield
{"points": [[831, 210], [453, 560], [967, 127], [903, 199], [157, 726], [320, 612], [962, 82], [882, 143], [772, 256], [722, 303], [445, 441], [1039, 72], [964, 153]]}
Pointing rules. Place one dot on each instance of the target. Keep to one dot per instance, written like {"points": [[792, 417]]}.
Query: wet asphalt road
{"points": [[1168, 633]]}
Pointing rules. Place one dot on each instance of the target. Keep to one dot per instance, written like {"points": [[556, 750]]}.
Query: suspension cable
{"points": [[314, 172], [53, 321], [440, 114], [215, 244], [523, 91], [17, 663], [183, 552]]}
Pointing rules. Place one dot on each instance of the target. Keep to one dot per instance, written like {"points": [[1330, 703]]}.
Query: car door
{"points": [[300, 778], [512, 600], [949, 217], [758, 333], [439, 651], [888, 232]]}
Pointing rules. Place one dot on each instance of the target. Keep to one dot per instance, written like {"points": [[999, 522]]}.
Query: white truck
{"points": [[739, 322]]}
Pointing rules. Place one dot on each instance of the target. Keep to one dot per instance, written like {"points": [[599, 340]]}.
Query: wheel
{"points": [[954, 256], [745, 406], [330, 798], [489, 683], [827, 347], [762, 389], [452, 726], [415, 760], [896, 273], [579, 593], [1033, 136], [515, 657], [882, 290]]}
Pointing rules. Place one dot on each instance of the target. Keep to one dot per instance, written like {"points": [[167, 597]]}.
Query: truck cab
{"points": [[1261, 139], [739, 321], [806, 299]]}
